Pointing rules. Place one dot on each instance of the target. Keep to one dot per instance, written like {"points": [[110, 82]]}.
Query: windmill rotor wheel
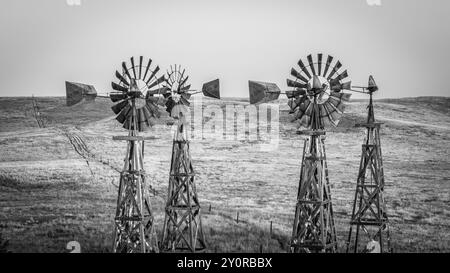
{"points": [[177, 94], [137, 94], [317, 93]]}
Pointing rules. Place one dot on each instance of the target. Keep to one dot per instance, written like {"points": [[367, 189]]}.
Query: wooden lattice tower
{"points": [[182, 225], [182, 231], [134, 227], [369, 215], [313, 229]]}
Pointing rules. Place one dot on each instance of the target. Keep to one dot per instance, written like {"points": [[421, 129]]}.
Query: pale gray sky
{"points": [[405, 44]]}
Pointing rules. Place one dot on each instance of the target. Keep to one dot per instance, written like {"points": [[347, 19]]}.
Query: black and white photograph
{"points": [[213, 127]]}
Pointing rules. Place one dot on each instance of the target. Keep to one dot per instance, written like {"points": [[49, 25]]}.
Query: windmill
{"points": [[137, 96], [316, 102], [182, 229], [369, 213]]}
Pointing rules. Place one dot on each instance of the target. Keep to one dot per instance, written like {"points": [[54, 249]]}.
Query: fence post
{"points": [[270, 229]]}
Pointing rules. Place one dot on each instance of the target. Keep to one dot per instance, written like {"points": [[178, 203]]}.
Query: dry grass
{"points": [[49, 197]]}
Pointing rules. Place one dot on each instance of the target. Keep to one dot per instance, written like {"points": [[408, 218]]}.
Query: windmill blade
{"points": [[158, 81], [115, 97], [117, 87], [124, 114], [311, 64], [152, 75], [337, 104], [319, 63], [148, 116], [122, 79], [292, 83], [186, 95], [125, 70], [211, 89], [141, 58], [132, 67], [334, 70], [147, 68], [185, 101], [169, 105], [303, 105], [341, 86], [292, 104], [184, 81], [296, 102], [323, 117], [327, 118], [330, 107], [297, 74], [182, 75], [127, 123], [333, 113], [340, 96], [304, 69], [118, 107], [305, 120], [327, 65], [186, 88], [153, 109], [342, 76]]}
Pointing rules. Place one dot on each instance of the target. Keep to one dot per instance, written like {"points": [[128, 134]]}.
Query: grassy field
{"points": [[49, 195]]}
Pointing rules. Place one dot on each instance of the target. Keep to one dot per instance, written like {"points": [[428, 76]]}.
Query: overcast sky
{"points": [[405, 44]]}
